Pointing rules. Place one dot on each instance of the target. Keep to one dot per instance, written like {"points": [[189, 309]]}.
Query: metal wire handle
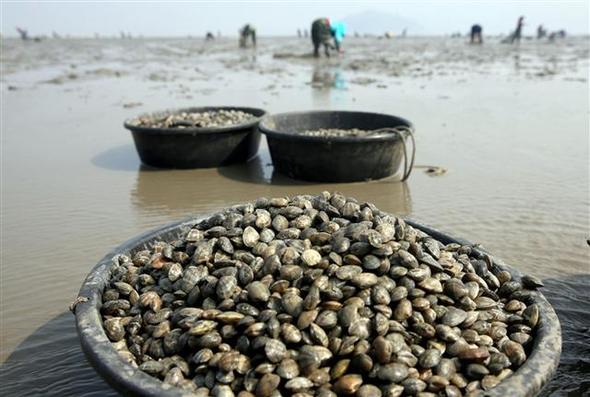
{"points": [[404, 132]]}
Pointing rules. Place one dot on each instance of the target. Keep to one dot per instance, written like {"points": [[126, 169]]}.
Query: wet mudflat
{"points": [[510, 125]]}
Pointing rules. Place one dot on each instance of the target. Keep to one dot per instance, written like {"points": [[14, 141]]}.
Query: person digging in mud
{"points": [[338, 31], [24, 35], [322, 34], [558, 34], [516, 36], [476, 34], [541, 32], [248, 32]]}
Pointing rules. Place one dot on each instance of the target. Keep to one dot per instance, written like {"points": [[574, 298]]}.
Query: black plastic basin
{"points": [[527, 381], [336, 159], [197, 147]]}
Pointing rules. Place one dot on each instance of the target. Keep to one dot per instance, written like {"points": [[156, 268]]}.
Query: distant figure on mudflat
{"points": [[541, 32], [322, 34], [209, 36], [248, 32], [23, 33], [558, 34], [517, 35], [299, 33], [476, 36]]}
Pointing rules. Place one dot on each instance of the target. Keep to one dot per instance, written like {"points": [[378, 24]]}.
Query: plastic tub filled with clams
{"points": [[339, 146], [313, 296], [200, 137]]}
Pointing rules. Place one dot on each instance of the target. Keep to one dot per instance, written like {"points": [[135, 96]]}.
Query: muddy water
{"points": [[509, 124]]}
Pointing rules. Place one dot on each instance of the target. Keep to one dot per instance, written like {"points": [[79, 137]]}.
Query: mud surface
{"points": [[508, 124]]}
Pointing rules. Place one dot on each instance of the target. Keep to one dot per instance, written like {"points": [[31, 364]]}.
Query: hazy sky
{"points": [[280, 18]]}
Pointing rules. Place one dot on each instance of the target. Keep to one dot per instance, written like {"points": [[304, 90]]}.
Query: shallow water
{"points": [[509, 124]]}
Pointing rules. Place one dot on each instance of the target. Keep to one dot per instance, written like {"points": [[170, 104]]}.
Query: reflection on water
{"points": [[50, 362], [248, 60], [329, 88], [187, 190], [569, 297], [517, 62], [326, 76], [191, 191]]}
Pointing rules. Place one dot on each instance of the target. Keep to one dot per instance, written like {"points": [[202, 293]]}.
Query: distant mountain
{"points": [[375, 22]]}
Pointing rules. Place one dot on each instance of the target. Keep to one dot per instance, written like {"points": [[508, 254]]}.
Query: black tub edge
{"points": [[263, 128], [527, 381]]}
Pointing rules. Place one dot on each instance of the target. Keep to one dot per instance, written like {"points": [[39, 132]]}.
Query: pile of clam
{"points": [[317, 296], [201, 119], [337, 132]]}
